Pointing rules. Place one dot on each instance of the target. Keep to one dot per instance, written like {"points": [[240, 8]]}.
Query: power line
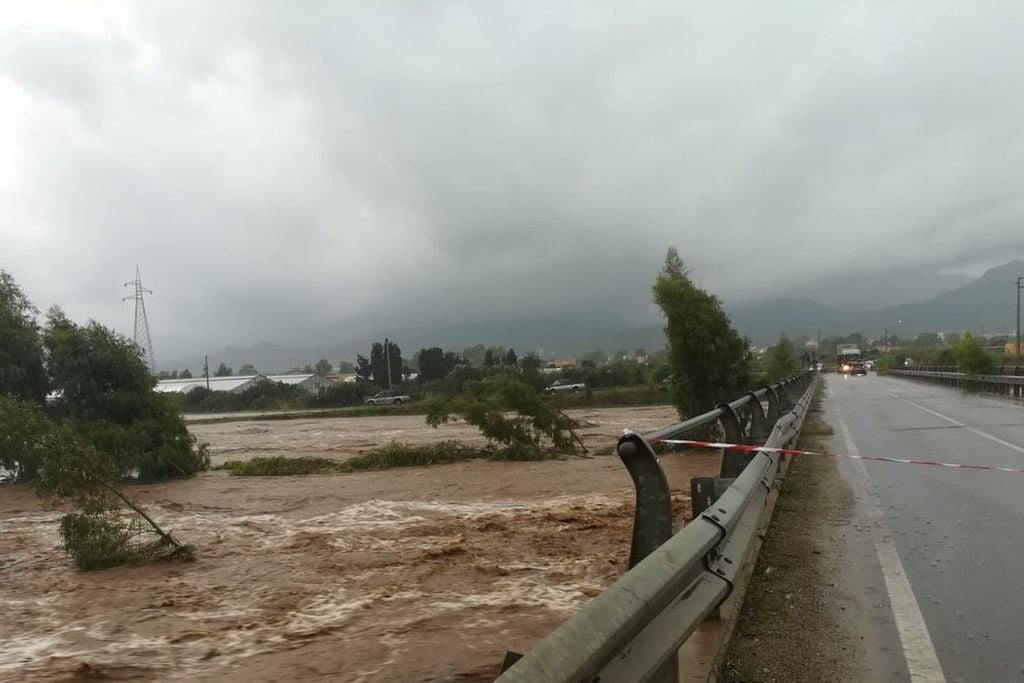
{"points": [[140, 334]]}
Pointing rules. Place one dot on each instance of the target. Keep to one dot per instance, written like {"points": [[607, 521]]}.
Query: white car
{"points": [[565, 385], [387, 398]]}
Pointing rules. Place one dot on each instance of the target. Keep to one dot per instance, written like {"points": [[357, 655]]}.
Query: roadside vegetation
{"points": [[78, 419]]}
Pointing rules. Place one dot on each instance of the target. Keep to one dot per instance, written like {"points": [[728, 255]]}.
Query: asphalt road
{"points": [[958, 534]]}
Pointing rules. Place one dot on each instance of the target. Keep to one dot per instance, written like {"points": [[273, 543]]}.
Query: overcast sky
{"points": [[300, 172]]}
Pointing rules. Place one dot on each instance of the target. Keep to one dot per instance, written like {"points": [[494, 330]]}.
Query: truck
{"points": [[565, 385], [850, 361]]}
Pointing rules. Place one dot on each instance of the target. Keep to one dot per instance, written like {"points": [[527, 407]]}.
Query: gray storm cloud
{"points": [[289, 172]]}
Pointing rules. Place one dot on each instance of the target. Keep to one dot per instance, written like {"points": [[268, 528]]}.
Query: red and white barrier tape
{"points": [[794, 451]]}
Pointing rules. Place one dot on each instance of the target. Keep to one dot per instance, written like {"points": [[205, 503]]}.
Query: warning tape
{"points": [[795, 451]]}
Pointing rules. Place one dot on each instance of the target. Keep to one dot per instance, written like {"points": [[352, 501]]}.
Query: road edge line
{"points": [[915, 641]]}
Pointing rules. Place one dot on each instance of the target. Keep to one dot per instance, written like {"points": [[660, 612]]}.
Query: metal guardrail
{"points": [[632, 631], [1006, 380]]}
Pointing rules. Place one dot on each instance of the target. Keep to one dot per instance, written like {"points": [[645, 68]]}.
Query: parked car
{"points": [[565, 385], [387, 397]]}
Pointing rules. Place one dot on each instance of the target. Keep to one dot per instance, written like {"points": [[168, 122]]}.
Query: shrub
{"points": [[533, 418]]}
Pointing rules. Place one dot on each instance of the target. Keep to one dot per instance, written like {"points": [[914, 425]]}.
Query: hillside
{"points": [[985, 303]]}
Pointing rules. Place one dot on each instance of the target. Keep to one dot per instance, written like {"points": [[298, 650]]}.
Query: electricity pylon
{"points": [[141, 333]]}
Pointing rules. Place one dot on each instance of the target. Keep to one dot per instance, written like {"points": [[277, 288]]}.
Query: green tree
{"points": [[510, 358], [248, 369], [378, 364], [397, 365], [364, 369], [21, 355], [23, 427], [971, 356], [490, 360], [710, 360], [323, 367], [308, 369], [62, 467], [432, 364], [345, 367], [185, 374], [530, 365], [782, 361], [222, 371], [105, 394], [451, 361]]}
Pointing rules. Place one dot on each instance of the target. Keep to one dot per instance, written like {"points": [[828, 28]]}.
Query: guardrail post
{"points": [[652, 519], [785, 399], [773, 406], [733, 461], [759, 429]]}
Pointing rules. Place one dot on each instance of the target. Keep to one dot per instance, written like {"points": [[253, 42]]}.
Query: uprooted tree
{"points": [[102, 425], [66, 468], [508, 412]]}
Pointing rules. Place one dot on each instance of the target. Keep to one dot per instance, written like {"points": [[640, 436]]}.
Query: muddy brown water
{"points": [[419, 574]]}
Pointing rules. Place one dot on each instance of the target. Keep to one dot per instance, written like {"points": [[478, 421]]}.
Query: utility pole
{"points": [[887, 340], [206, 371], [1020, 286], [387, 356]]}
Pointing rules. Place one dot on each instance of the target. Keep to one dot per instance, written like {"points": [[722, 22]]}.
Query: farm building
{"points": [[311, 383], [234, 385]]}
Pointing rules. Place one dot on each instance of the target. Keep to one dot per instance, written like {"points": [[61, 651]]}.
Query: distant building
{"points": [[562, 363], [311, 383], [232, 384], [343, 377]]}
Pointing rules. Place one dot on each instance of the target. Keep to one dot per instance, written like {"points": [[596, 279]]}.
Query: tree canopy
{"points": [[21, 358], [710, 361], [782, 361], [105, 392]]}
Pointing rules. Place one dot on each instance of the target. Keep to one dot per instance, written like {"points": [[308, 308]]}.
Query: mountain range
{"points": [[985, 304]]}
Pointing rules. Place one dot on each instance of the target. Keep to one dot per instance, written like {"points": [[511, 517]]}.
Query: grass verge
{"points": [[393, 455]]}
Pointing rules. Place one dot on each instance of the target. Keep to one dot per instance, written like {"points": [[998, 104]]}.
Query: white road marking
{"points": [[975, 430], [918, 650]]}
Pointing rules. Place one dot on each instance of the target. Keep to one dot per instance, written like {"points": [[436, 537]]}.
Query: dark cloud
{"points": [[300, 172]]}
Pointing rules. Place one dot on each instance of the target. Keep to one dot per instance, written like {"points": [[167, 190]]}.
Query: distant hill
{"points": [[763, 321], [987, 302], [864, 292]]}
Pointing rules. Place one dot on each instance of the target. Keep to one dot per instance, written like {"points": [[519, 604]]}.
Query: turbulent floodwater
{"points": [[413, 574]]}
